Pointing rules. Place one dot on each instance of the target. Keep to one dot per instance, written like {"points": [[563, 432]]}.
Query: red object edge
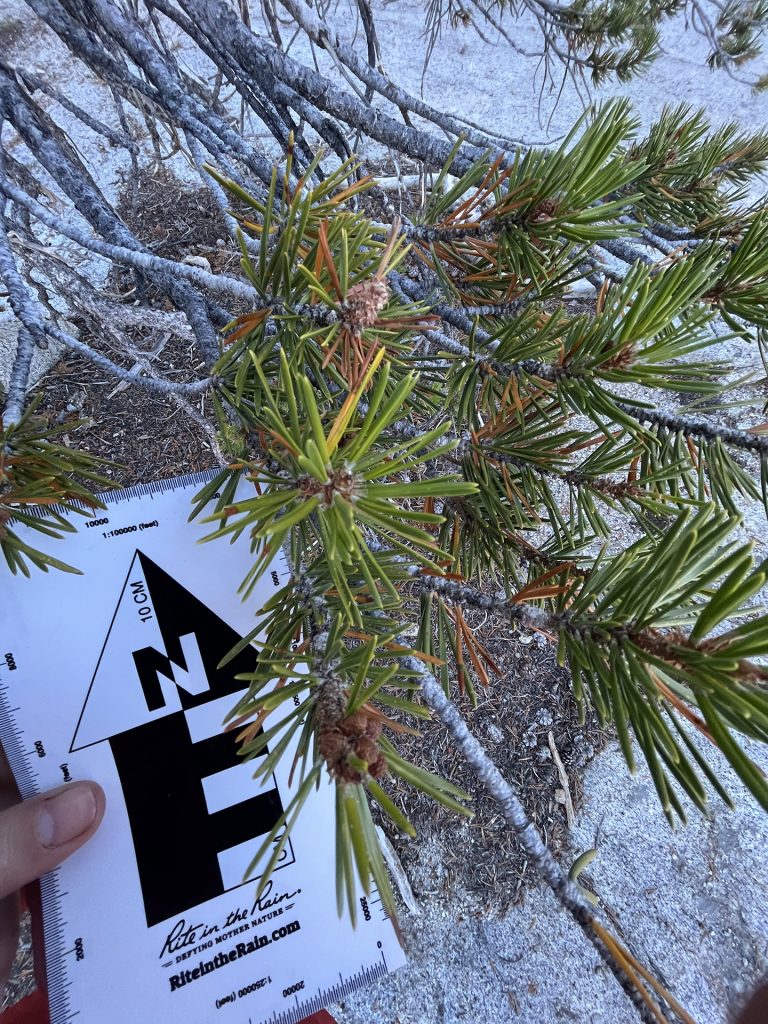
{"points": [[33, 1009]]}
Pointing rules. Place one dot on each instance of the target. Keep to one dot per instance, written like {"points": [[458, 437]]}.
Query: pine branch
{"points": [[155, 267], [732, 37], [164, 86], [272, 112], [270, 104], [626, 252], [60, 160], [35, 330], [566, 892], [407, 290], [697, 429], [619, 627], [20, 373], [321, 33], [459, 318], [157, 384], [34, 82], [167, 273], [316, 397], [260, 58], [27, 339]]}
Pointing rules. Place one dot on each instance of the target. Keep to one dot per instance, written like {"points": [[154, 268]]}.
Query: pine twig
{"points": [[163, 270], [35, 82], [321, 33], [566, 893], [35, 329], [19, 380], [25, 346], [153, 266], [757, 443]]}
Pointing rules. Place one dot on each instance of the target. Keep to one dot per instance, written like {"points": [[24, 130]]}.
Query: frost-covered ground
{"points": [[693, 905]]}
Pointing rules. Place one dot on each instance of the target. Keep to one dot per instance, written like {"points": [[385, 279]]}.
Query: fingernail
{"points": [[65, 816]]}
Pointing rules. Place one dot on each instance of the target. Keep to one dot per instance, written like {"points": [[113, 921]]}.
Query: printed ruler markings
{"points": [[325, 996], [384, 912], [56, 952], [60, 952], [12, 739], [177, 483], [117, 497]]}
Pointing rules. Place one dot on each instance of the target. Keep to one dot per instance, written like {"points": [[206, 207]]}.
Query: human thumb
{"points": [[38, 834]]}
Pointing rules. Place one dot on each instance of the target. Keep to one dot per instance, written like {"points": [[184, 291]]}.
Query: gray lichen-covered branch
{"points": [[565, 891]]}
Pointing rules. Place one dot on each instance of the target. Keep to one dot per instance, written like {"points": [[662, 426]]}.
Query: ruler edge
{"points": [[57, 981], [119, 494], [299, 1012], [50, 894], [57, 996]]}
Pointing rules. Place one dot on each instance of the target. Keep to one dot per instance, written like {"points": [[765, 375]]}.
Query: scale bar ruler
{"points": [[114, 676]]}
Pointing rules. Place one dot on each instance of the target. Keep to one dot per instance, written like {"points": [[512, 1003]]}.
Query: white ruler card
{"points": [[113, 676]]}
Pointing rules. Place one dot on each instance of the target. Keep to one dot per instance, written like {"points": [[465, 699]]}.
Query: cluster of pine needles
{"points": [[415, 416]]}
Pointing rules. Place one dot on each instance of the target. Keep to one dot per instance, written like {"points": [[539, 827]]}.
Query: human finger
{"points": [[38, 834], [9, 907]]}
